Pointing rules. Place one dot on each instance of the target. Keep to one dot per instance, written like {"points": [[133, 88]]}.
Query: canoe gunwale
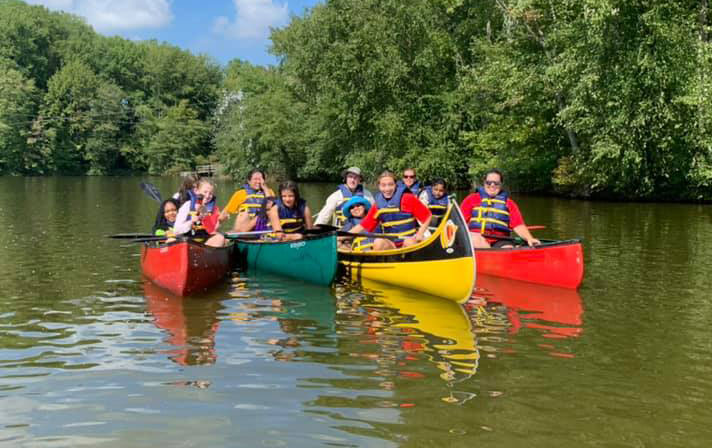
{"points": [[306, 237], [545, 244]]}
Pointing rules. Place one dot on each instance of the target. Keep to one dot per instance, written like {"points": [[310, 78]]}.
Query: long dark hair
{"points": [[255, 171], [291, 186], [161, 223], [189, 182]]}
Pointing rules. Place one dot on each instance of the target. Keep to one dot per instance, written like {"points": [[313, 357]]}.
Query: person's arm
{"points": [[326, 213], [368, 223], [184, 222], [526, 235], [470, 202], [308, 222], [422, 213], [273, 215], [358, 228], [424, 198], [516, 221]]}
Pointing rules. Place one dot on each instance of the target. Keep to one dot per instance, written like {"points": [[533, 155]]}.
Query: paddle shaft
{"points": [[231, 235], [369, 235], [126, 236]]}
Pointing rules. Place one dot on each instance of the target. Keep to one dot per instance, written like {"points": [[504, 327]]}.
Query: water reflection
{"points": [[190, 324], [511, 306]]}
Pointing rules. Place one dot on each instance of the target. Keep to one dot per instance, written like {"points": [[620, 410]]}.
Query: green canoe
{"points": [[312, 259]]}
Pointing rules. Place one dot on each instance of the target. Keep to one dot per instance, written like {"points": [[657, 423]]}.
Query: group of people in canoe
{"points": [[400, 213]]}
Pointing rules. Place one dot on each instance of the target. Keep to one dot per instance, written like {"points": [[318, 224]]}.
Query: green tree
{"points": [[18, 102], [81, 115], [261, 123], [171, 139]]}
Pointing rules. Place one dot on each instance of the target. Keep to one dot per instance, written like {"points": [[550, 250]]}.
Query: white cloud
{"points": [[114, 15], [253, 19]]}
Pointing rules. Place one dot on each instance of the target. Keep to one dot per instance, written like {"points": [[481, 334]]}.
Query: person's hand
{"points": [[223, 215], [533, 242]]}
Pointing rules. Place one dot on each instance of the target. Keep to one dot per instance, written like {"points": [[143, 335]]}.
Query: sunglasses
{"points": [[493, 183], [408, 176]]}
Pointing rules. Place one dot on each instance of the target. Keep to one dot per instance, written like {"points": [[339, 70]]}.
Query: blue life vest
{"points": [[392, 220], [198, 228], [291, 219], [491, 215], [347, 194], [415, 188], [437, 207], [210, 206], [351, 223], [253, 203]]}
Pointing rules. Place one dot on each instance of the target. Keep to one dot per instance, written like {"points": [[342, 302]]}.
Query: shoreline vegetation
{"points": [[597, 99]]}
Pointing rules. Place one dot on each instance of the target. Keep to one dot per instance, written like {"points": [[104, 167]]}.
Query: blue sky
{"points": [[223, 29]]}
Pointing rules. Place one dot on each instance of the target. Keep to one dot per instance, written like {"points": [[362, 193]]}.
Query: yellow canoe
{"points": [[442, 265]]}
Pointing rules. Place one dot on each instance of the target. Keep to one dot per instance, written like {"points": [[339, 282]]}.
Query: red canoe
{"points": [[185, 267], [553, 263]]}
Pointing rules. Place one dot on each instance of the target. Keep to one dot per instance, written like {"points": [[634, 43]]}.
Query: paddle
{"points": [[230, 235], [151, 191], [536, 227], [127, 236], [369, 235], [327, 228], [243, 235], [517, 240]]}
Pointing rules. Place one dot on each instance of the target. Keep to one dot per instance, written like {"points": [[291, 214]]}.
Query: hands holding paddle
{"points": [[523, 231]]}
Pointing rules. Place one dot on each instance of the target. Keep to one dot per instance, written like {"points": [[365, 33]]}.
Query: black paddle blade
{"points": [[151, 191], [149, 239], [127, 236]]}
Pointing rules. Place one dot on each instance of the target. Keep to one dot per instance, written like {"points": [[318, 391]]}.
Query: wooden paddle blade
{"points": [[151, 191], [126, 236], [237, 199], [536, 227]]}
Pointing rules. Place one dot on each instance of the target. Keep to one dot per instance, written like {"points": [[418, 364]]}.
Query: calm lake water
{"points": [[90, 355]]}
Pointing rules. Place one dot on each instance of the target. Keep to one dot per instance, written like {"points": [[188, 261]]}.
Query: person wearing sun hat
{"points": [[332, 212], [354, 210]]}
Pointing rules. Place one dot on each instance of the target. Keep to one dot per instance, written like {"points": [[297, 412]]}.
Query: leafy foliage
{"points": [[602, 98]]}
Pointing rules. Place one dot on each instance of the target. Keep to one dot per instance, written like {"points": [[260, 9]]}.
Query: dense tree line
{"points": [[585, 98], [75, 102]]}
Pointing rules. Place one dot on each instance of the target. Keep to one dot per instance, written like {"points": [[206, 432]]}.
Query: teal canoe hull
{"points": [[312, 259]]}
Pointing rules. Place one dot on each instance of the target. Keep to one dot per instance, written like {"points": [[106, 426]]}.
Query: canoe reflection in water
{"points": [[556, 312], [190, 324], [399, 328]]}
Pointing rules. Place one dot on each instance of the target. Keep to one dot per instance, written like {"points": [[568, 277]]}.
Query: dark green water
{"points": [[92, 356]]}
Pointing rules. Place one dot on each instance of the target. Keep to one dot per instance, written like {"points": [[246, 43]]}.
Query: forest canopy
{"points": [[592, 98]]}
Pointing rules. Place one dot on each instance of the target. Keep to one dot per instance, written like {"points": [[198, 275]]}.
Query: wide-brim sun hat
{"points": [[356, 200], [354, 169]]}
